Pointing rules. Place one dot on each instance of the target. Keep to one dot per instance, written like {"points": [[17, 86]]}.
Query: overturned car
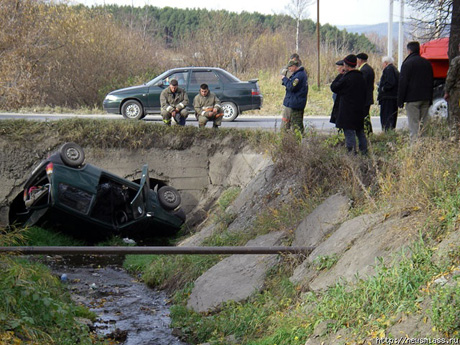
{"points": [[66, 193]]}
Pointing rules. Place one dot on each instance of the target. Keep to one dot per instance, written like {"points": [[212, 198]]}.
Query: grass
{"points": [[35, 308]]}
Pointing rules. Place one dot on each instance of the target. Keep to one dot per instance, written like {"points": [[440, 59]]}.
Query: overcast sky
{"points": [[335, 12]]}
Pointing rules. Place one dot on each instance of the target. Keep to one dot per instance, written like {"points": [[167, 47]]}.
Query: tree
{"points": [[298, 10], [438, 18]]}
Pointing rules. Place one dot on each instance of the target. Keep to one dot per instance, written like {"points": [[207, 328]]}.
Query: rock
{"points": [[197, 239], [337, 243], [322, 221], [234, 278], [379, 241]]}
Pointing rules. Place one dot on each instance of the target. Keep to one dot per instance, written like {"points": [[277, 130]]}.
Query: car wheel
{"points": [[439, 108], [169, 197], [230, 111], [72, 154], [132, 110]]}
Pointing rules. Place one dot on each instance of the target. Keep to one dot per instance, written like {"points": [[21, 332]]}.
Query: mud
{"points": [[128, 311]]}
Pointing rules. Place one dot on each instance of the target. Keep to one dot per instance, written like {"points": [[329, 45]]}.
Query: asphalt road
{"points": [[320, 123]]}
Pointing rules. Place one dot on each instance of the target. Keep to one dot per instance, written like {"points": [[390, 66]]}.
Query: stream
{"points": [[128, 311]]}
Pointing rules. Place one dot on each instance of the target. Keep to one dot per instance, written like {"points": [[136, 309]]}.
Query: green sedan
{"points": [[236, 96]]}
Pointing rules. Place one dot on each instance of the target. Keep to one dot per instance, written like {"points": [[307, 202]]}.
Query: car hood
{"points": [[131, 89]]}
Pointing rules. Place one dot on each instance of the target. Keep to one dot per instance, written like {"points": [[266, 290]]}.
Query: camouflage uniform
{"points": [[453, 90], [170, 102], [203, 108]]}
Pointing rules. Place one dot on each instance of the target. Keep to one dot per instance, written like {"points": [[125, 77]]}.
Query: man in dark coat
{"points": [[295, 99], [350, 88], [415, 88], [388, 94], [369, 77]]}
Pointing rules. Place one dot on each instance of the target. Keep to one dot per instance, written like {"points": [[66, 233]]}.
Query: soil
{"points": [[128, 312]]}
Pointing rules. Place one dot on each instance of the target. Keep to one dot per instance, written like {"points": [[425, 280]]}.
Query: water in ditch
{"points": [[128, 311]]}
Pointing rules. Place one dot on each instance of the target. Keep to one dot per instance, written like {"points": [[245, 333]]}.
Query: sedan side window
{"points": [[181, 77], [200, 77]]}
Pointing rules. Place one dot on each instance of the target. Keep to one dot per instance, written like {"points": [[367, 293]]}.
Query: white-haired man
{"points": [[388, 94]]}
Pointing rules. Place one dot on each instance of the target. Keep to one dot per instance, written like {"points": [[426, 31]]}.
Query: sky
{"points": [[334, 12]]}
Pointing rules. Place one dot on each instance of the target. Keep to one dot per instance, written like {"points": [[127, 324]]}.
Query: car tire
{"points": [[72, 155], [230, 111], [169, 197], [132, 110], [439, 109]]}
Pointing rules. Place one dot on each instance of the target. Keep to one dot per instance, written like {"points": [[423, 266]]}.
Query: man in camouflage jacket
{"points": [[452, 93], [174, 101], [207, 107]]}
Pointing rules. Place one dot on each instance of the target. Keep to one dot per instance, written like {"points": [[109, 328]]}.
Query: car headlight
{"points": [[111, 98]]}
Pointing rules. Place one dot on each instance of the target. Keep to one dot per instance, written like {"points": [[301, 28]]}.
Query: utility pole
{"points": [[390, 29], [401, 36], [318, 42]]}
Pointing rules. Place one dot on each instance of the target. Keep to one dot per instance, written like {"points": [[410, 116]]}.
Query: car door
{"points": [[138, 204], [182, 77], [204, 77]]}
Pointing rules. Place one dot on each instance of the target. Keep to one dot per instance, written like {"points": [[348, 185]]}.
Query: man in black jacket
{"points": [[369, 77], [350, 88], [388, 94], [416, 89]]}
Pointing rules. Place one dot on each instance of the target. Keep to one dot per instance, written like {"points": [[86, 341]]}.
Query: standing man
{"points": [[452, 94], [207, 107], [350, 88], [174, 101], [416, 89], [388, 94], [295, 99], [369, 77]]}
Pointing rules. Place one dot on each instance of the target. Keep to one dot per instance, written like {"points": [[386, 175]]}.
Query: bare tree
{"points": [[438, 18], [298, 10]]}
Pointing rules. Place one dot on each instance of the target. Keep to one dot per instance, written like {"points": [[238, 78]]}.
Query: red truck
{"points": [[436, 52]]}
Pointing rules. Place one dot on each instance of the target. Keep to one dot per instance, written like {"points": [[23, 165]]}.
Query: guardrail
{"points": [[155, 250]]}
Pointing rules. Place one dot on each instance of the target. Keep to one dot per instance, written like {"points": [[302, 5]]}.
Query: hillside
{"points": [[385, 228]]}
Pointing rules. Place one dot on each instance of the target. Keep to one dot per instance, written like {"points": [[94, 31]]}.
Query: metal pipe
{"points": [[156, 250]]}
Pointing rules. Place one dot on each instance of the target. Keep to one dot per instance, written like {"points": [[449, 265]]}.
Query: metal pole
{"points": [[155, 250], [401, 36], [318, 42], [390, 30]]}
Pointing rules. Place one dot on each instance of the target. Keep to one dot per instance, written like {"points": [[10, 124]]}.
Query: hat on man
{"points": [[293, 63], [339, 63], [350, 60], [362, 56]]}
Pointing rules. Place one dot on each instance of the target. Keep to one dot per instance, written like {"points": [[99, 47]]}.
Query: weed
{"points": [[325, 262]]}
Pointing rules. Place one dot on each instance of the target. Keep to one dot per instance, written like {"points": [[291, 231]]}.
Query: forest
{"points": [[59, 55]]}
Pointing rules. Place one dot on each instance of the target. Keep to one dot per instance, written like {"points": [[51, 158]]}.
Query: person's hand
{"points": [[446, 96], [214, 111]]}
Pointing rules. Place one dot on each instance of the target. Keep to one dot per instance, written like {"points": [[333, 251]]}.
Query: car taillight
{"points": [[255, 92], [49, 169]]}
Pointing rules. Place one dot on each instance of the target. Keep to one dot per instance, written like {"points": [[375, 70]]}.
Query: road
{"points": [[320, 123]]}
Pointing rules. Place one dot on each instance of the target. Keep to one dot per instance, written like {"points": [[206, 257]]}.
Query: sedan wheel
{"points": [[230, 111], [132, 110]]}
